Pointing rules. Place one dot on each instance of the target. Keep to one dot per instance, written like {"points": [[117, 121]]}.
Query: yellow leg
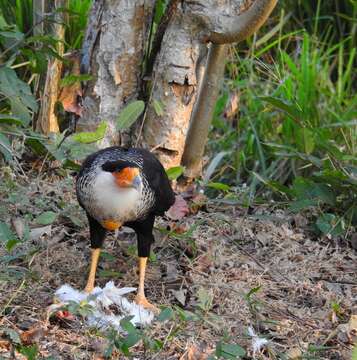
{"points": [[93, 267], [140, 296]]}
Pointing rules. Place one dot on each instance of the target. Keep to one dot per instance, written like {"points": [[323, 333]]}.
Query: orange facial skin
{"points": [[125, 177]]}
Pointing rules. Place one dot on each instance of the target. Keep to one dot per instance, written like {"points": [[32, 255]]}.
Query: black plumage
{"points": [[129, 187], [156, 193]]}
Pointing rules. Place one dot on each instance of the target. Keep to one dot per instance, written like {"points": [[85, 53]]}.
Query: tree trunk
{"points": [[47, 120], [117, 53], [174, 86], [115, 62]]}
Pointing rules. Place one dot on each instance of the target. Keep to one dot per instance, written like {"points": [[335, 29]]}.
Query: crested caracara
{"points": [[117, 187]]}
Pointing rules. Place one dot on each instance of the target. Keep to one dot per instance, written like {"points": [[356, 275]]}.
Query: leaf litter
{"points": [[229, 272]]}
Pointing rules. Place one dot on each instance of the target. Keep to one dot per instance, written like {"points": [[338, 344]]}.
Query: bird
{"points": [[117, 187]]}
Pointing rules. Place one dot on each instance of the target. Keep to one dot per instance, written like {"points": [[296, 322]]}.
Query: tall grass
{"points": [[76, 22], [18, 12], [294, 138]]}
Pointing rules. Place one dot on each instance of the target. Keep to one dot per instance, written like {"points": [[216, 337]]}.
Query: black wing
{"points": [[158, 181]]}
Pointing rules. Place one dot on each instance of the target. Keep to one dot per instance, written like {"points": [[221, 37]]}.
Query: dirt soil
{"points": [[231, 269]]}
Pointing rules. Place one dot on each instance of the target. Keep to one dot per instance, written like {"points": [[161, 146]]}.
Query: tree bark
{"points": [[174, 86], [47, 121], [115, 64], [177, 76]]}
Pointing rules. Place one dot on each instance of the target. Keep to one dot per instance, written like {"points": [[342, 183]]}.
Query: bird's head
{"points": [[126, 175]]}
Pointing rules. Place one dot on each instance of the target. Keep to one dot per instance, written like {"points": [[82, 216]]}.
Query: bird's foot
{"points": [[141, 300], [89, 288]]}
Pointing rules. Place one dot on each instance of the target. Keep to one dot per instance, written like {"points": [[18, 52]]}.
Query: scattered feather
{"points": [[257, 342], [101, 301]]}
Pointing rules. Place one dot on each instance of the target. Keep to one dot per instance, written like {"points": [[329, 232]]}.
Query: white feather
{"points": [[101, 299], [257, 342], [113, 202]]}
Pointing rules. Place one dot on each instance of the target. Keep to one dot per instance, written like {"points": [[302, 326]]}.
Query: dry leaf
{"points": [[33, 335], [179, 209], [178, 228], [352, 324], [180, 296], [69, 94], [195, 352], [294, 354], [232, 106], [203, 263], [36, 233], [19, 226], [5, 345], [198, 201]]}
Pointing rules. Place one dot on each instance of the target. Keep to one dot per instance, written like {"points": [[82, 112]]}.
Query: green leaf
{"points": [[11, 244], [46, 218], [159, 10], [127, 325], [354, 352], [229, 351], [130, 114], [219, 186], [72, 79], [18, 92], [12, 35], [205, 299], [252, 291], [186, 315], [91, 136], [5, 147], [132, 339], [305, 140], [30, 352], [304, 188], [330, 224], [109, 274], [213, 165], [153, 344], [158, 107], [165, 314], [12, 335], [175, 172], [5, 233], [299, 205], [290, 109], [10, 119], [107, 256]]}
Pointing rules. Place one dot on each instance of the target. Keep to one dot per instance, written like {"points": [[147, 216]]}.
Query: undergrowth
{"points": [[285, 127]]}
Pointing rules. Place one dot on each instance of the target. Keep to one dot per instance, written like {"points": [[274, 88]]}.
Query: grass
{"points": [[296, 126], [245, 273]]}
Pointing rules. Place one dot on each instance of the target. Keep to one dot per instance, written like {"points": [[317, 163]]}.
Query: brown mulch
{"points": [[263, 271]]}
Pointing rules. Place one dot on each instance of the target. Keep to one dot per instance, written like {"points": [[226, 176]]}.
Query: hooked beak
{"points": [[136, 182]]}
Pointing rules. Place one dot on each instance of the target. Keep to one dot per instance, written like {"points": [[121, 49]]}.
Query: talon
{"points": [[141, 300]]}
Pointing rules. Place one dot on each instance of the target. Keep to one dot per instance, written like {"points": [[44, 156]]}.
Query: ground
{"points": [[229, 269]]}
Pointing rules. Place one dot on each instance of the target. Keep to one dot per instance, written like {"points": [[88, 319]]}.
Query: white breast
{"points": [[110, 202]]}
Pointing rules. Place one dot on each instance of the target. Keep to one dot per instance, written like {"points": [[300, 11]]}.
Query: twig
{"points": [[13, 296]]}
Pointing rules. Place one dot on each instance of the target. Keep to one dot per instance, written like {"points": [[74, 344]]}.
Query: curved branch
{"points": [[246, 24], [203, 111]]}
